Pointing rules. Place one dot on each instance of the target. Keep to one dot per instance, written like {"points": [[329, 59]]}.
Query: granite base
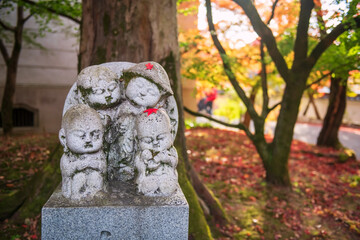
{"points": [[119, 214]]}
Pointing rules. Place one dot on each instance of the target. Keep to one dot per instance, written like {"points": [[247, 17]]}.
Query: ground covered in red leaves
{"points": [[324, 202]]}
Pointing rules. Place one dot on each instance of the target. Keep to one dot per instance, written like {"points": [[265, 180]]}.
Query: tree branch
{"points": [[272, 12], [265, 109], [266, 34], [264, 86], [27, 18], [4, 52], [301, 41], [226, 64], [273, 107], [51, 10], [329, 39], [238, 126], [318, 80], [320, 19], [7, 27]]}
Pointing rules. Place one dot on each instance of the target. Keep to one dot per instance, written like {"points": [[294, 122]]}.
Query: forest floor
{"points": [[324, 202], [22, 158]]}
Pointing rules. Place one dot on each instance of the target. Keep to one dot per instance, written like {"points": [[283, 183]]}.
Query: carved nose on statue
{"points": [[88, 139]]}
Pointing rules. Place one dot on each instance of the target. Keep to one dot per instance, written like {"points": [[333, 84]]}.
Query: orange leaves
{"points": [[226, 4]]}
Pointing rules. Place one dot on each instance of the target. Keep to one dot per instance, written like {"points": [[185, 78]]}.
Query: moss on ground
{"points": [[198, 227]]}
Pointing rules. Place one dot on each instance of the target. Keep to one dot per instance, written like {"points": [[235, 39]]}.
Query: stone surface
{"points": [[122, 213], [156, 158], [83, 164], [125, 96], [119, 178]]}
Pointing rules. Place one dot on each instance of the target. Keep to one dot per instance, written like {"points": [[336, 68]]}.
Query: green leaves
{"points": [[43, 12]]}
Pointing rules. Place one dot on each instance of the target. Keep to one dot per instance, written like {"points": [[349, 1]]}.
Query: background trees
{"points": [[294, 71], [346, 49], [43, 12]]}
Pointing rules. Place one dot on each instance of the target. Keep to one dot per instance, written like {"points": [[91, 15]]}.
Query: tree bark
{"points": [[277, 169], [137, 31], [247, 117], [337, 104]]}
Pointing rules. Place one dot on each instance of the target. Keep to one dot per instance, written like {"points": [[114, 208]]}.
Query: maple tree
{"points": [[43, 12], [294, 71]]}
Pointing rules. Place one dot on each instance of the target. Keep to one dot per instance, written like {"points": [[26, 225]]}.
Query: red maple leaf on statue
{"points": [[150, 111], [149, 66]]}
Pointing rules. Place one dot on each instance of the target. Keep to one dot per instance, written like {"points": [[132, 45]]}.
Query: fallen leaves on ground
{"points": [[20, 158], [324, 202]]}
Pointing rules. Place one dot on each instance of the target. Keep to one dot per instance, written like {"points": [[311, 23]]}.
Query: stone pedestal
{"points": [[119, 214]]}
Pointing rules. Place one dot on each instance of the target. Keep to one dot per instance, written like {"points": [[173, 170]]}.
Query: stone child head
{"points": [[99, 87], [154, 131], [81, 130], [146, 83]]}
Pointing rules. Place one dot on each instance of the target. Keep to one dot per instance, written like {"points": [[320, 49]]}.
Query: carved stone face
{"points": [[85, 138], [82, 130], [142, 92], [154, 132], [99, 87], [105, 93]]}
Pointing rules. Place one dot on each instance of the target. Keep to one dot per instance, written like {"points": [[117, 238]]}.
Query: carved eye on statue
{"points": [[152, 91], [79, 134], [161, 136], [98, 91], [95, 134], [147, 139], [112, 87]]}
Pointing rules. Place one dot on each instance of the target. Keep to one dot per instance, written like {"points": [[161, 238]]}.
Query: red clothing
{"points": [[211, 95]]}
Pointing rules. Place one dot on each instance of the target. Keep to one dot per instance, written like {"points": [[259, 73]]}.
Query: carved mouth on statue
{"points": [[151, 165], [88, 145], [108, 99]]}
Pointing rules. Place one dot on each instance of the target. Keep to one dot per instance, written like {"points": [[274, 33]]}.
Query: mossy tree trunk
{"points": [[137, 31], [337, 103]]}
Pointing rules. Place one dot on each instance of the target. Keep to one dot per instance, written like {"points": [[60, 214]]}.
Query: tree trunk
{"points": [[137, 31], [8, 98], [276, 164], [337, 103], [11, 70], [247, 117]]}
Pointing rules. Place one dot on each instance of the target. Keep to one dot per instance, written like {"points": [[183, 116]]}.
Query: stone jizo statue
{"points": [[99, 88], [156, 159], [119, 123], [83, 164]]}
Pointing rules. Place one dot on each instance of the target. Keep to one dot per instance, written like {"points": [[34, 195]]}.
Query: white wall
{"points": [[45, 75]]}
